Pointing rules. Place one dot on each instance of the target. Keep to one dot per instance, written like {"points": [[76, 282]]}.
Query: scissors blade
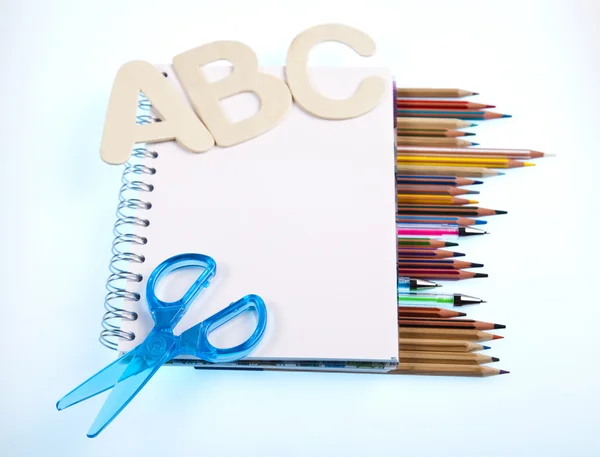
{"points": [[138, 373], [98, 383]]}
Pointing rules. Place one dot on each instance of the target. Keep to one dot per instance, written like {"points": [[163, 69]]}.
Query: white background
{"points": [[537, 60]]}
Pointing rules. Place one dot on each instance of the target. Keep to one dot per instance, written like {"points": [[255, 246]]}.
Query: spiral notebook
{"points": [[303, 216]]}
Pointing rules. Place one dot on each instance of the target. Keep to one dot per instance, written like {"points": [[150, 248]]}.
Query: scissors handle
{"points": [[194, 341]]}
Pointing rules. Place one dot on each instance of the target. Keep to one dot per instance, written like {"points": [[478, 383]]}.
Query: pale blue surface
{"points": [[537, 60]]}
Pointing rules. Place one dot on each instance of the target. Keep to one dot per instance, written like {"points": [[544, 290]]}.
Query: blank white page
{"points": [[303, 215]]}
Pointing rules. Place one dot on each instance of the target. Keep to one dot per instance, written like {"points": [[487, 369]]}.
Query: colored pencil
{"points": [[411, 199], [471, 152], [436, 345], [424, 141], [447, 210], [439, 93], [434, 180], [422, 311], [468, 172], [431, 123], [436, 231], [468, 324], [462, 162], [439, 273], [423, 243], [413, 103], [433, 133], [453, 114], [447, 334], [427, 253], [419, 300], [452, 358], [462, 221], [433, 190], [446, 370], [435, 264]]}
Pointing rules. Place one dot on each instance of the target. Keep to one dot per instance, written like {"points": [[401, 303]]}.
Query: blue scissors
{"points": [[133, 370]]}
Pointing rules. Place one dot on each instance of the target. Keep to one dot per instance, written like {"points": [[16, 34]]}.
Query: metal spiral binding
{"points": [[124, 241]]}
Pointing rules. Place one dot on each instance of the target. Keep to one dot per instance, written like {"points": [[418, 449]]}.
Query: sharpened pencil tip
{"points": [[507, 115], [474, 144], [477, 182], [504, 372], [485, 348], [480, 275], [473, 125], [497, 337], [495, 359], [450, 243], [480, 222], [472, 192], [499, 326], [501, 173], [462, 314], [469, 134], [474, 93], [476, 265], [483, 301], [438, 285], [528, 164], [490, 106], [459, 254], [499, 211], [473, 202], [545, 154]]}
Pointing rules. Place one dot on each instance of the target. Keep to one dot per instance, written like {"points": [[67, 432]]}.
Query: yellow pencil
{"points": [[462, 161], [431, 123], [447, 170], [410, 199]]}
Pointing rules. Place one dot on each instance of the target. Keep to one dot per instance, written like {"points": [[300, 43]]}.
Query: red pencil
{"points": [[468, 324], [435, 264], [450, 275]]}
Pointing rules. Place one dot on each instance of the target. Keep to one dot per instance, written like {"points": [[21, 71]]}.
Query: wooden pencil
{"points": [[434, 180], [427, 254], [447, 334], [438, 273], [427, 312], [418, 103], [412, 199], [439, 93], [453, 114], [433, 264], [461, 161], [439, 345], [446, 370], [424, 243], [433, 190], [467, 324], [446, 358], [431, 123], [467, 172], [461, 221], [447, 210], [425, 141], [433, 151], [433, 133]]}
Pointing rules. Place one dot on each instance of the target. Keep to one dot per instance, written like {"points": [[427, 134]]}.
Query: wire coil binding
{"points": [[125, 241]]}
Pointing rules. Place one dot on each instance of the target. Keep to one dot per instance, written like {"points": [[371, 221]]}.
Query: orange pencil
{"points": [[471, 152], [432, 200], [447, 334], [425, 311]]}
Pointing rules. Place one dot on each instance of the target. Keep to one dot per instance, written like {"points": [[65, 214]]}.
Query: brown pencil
{"points": [[454, 114], [426, 141], [418, 199], [447, 334], [447, 274], [472, 152], [438, 93], [426, 312], [446, 370], [433, 190], [467, 324], [427, 254], [433, 133], [448, 210], [432, 264], [449, 170], [446, 358], [439, 345]]}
